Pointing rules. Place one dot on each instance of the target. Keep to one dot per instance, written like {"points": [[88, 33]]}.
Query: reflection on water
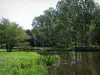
{"points": [[77, 63]]}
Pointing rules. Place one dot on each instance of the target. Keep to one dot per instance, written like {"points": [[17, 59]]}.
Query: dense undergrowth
{"points": [[21, 63]]}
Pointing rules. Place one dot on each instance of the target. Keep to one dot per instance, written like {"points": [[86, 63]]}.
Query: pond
{"points": [[75, 63]]}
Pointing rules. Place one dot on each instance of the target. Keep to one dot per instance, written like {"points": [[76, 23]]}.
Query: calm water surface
{"points": [[76, 63]]}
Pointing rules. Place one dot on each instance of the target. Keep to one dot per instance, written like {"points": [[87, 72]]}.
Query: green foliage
{"points": [[47, 60], [72, 23], [20, 63], [11, 34]]}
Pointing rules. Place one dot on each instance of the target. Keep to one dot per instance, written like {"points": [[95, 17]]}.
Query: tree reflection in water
{"points": [[77, 63]]}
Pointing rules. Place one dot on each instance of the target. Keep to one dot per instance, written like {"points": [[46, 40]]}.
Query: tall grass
{"points": [[21, 63]]}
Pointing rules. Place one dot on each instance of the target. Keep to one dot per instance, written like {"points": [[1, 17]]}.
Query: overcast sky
{"points": [[24, 11]]}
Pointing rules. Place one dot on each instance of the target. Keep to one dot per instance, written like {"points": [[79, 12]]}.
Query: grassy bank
{"points": [[20, 63]]}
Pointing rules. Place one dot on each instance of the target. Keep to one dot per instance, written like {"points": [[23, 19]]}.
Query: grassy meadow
{"points": [[21, 63]]}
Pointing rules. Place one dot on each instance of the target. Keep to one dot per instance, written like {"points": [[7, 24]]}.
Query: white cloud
{"points": [[24, 11], [97, 1]]}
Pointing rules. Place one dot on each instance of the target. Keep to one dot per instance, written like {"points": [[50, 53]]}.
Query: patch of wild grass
{"points": [[21, 63]]}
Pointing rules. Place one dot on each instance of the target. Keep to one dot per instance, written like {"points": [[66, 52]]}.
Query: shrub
{"points": [[50, 60]]}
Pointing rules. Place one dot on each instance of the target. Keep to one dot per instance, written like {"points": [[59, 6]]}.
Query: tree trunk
{"points": [[85, 22], [1, 45], [8, 47]]}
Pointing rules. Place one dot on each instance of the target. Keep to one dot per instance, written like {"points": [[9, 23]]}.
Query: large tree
{"points": [[44, 27], [11, 34]]}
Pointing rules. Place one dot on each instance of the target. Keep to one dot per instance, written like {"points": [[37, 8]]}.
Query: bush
{"points": [[50, 60]]}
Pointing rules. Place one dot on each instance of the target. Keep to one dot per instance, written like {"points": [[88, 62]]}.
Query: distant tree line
{"points": [[73, 23]]}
